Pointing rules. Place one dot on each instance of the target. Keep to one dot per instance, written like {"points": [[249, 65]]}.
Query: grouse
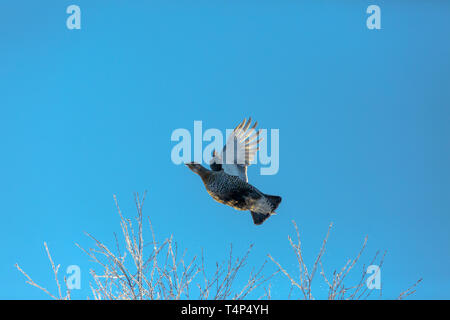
{"points": [[227, 180]]}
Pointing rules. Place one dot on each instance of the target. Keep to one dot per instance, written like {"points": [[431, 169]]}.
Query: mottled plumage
{"points": [[227, 182]]}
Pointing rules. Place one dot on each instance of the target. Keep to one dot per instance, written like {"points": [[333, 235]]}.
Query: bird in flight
{"points": [[227, 181]]}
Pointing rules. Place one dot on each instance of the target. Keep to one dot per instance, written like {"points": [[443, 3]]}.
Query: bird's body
{"points": [[227, 183], [236, 193]]}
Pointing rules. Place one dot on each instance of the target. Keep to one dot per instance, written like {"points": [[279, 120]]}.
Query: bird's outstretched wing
{"points": [[239, 151]]}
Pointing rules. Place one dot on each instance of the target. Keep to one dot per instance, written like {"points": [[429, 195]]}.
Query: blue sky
{"points": [[363, 118]]}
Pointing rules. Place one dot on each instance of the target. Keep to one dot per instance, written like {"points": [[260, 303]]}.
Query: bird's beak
{"points": [[193, 166]]}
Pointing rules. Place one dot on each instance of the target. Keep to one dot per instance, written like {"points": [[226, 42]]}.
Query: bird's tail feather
{"points": [[274, 201], [259, 218]]}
